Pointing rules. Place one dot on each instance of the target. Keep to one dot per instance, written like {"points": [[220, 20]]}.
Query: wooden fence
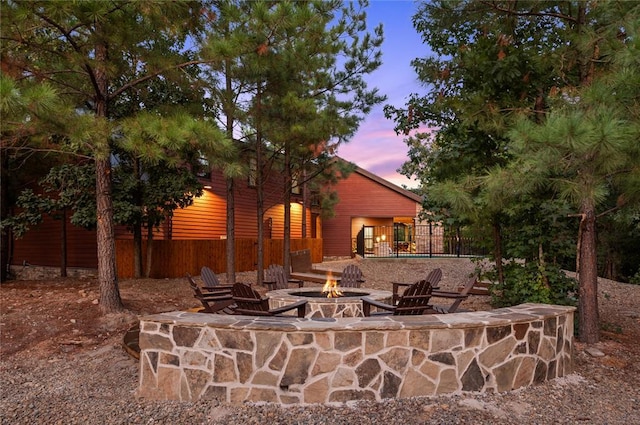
{"points": [[174, 258]]}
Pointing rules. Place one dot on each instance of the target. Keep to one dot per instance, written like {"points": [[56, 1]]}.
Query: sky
{"points": [[376, 147]]}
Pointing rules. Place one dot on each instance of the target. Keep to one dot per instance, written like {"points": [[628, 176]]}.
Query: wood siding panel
{"points": [[42, 246], [204, 219], [245, 211], [360, 198]]}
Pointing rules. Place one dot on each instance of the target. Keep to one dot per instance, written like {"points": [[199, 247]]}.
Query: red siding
{"points": [[205, 219], [362, 198], [42, 246]]}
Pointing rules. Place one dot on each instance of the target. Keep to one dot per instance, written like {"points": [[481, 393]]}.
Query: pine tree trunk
{"points": [[110, 301], [304, 203], [259, 189], [5, 234], [137, 250], [588, 280], [230, 248], [497, 251], [286, 261], [63, 244], [137, 227], [149, 265]]}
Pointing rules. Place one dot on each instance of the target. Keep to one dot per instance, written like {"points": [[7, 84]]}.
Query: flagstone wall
{"points": [[236, 359]]}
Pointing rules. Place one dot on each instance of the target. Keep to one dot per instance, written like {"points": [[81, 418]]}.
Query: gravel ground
{"points": [[79, 373]]}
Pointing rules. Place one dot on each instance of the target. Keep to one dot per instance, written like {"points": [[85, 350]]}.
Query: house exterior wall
{"points": [[42, 246], [205, 219], [358, 222], [362, 200]]}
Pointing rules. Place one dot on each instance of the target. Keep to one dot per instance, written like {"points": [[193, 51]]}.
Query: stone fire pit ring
{"points": [[321, 306], [289, 360]]}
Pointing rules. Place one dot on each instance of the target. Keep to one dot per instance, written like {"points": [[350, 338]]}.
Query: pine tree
{"points": [[285, 88], [94, 52], [555, 63]]}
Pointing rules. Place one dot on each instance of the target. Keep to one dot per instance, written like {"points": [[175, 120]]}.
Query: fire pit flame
{"points": [[331, 288]]}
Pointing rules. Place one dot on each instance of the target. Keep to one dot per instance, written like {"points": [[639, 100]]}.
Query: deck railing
{"points": [[415, 241]]}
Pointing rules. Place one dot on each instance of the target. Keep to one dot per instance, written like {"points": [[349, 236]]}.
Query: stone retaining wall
{"points": [[29, 272], [189, 356]]}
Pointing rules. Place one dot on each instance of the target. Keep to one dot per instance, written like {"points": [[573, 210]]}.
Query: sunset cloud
{"points": [[376, 147]]}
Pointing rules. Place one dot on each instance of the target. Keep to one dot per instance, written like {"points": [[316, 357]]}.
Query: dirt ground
{"points": [[39, 318], [61, 317]]}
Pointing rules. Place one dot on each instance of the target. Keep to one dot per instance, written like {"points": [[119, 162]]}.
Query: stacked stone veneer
{"points": [[189, 356], [29, 272]]}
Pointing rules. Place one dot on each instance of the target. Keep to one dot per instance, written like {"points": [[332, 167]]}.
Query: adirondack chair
{"points": [[457, 297], [414, 300], [217, 301], [248, 301], [351, 277], [276, 278], [433, 277], [210, 280]]}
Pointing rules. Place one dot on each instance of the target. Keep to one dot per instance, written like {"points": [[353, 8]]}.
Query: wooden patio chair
{"points": [[276, 278], [457, 297], [248, 301], [413, 301], [219, 300], [434, 277], [351, 277], [210, 280]]}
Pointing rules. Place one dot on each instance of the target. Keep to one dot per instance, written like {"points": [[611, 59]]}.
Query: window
{"points": [[203, 169], [368, 239]]}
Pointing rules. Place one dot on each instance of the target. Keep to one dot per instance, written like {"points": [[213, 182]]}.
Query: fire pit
{"points": [[290, 360], [319, 294], [319, 304]]}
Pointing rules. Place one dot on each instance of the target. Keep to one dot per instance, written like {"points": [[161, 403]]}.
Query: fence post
{"points": [[430, 240]]}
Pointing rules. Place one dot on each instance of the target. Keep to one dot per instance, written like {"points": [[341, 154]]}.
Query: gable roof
{"points": [[386, 183]]}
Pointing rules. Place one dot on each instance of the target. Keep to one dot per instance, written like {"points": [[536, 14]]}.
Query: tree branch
{"points": [[493, 5], [58, 151], [133, 83]]}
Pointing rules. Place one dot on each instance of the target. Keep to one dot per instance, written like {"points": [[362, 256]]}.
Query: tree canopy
{"points": [[527, 115], [94, 53], [135, 87]]}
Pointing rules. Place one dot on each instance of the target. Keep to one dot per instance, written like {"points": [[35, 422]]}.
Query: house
{"points": [[373, 217], [204, 220]]}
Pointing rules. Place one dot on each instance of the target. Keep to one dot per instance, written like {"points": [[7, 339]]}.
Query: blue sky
{"points": [[376, 147]]}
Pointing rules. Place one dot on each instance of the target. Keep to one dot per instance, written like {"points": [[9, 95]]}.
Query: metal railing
{"points": [[414, 241]]}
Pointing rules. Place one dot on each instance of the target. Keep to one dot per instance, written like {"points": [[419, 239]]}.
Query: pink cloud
{"points": [[382, 162], [376, 147]]}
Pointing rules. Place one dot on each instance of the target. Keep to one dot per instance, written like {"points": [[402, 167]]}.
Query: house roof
{"points": [[386, 183]]}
